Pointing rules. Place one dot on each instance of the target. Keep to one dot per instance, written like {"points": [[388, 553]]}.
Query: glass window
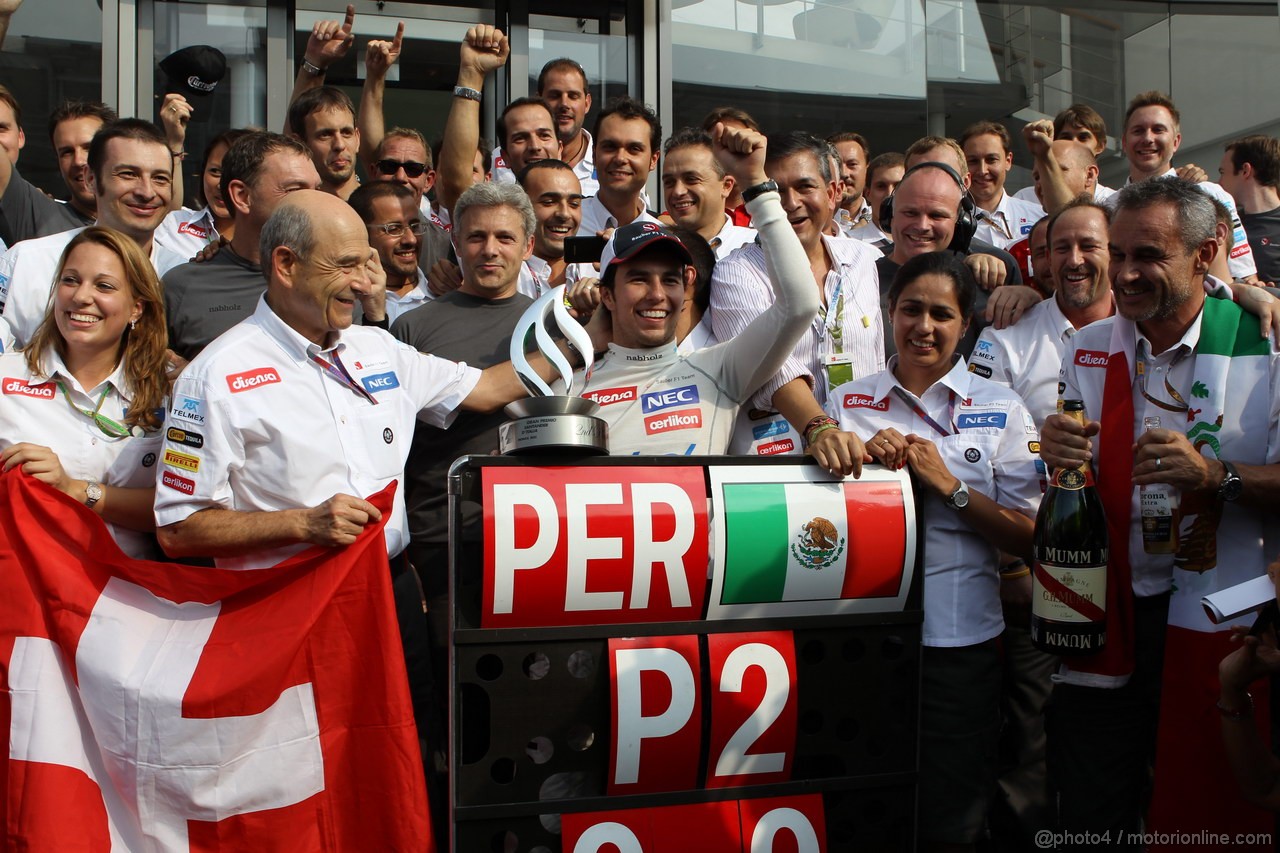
{"points": [[601, 53], [52, 54], [240, 100]]}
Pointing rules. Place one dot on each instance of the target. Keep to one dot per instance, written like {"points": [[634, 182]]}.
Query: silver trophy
{"points": [[547, 421]]}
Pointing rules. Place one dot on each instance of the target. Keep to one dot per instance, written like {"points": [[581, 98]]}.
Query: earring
{"points": [[133, 324]]}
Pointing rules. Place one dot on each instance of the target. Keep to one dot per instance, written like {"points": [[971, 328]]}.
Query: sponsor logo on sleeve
{"points": [[45, 391], [189, 409], [380, 382], [680, 419], [972, 454], [778, 427], [980, 370], [979, 420], [983, 346], [1239, 249], [194, 230], [773, 448], [670, 398], [182, 460], [863, 401], [178, 483], [1026, 229], [1033, 446], [184, 436], [609, 396], [1091, 358], [250, 379]]}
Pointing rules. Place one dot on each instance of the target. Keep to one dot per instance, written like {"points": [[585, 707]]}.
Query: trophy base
{"points": [[580, 435]]}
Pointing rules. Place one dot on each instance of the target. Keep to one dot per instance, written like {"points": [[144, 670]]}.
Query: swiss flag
{"points": [[165, 707]]}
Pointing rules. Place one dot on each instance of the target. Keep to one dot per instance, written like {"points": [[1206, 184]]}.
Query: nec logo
{"points": [[238, 382], [21, 388], [659, 400], [862, 401], [381, 382], [1091, 358], [609, 396], [975, 420], [683, 419], [194, 230], [178, 483]]}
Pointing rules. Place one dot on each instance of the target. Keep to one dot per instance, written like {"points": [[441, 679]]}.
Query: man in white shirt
{"points": [[854, 210], [395, 232], [846, 338], [883, 174], [556, 193], [627, 137], [562, 83], [1003, 220], [1077, 123], [1064, 169], [131, 172], [697, 189]]}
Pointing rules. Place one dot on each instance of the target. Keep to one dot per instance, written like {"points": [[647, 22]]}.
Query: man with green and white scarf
{"points": [[1201, 367]]}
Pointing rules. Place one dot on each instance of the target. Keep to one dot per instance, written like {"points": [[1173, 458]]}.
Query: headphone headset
{"points": [[966, 216]]}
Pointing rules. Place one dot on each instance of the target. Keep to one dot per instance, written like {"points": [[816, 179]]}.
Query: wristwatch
{"points": [[959, 499], [1231, 486], [752, 193], [92, 492]]}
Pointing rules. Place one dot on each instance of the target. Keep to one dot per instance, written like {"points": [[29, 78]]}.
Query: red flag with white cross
{"points": [[153, 706]]}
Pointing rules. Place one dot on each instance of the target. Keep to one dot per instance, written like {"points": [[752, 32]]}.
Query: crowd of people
{"points": [[228, 381]]}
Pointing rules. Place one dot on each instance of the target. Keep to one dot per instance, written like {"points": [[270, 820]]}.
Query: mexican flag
{"points": [[807, 541]]}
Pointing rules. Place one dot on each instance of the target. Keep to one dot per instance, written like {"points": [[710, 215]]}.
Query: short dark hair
{"points": [[627, 107], [1152, 98], [1262, 153], [693, 137], [987, 128], [720, 114], [1083, 200], [515, 105], [791, 142], [564, 63], [68, 110], [362, 199], [1196, 216], [851, 136], [704, 262], [243, 160], [947, 264], [887, 160], [317, 100], [546, 163], [227, 138], [1085, 116], [124, 128]]}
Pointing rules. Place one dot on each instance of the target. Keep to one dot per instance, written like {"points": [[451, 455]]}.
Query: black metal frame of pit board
{"points": [[857, 747]]}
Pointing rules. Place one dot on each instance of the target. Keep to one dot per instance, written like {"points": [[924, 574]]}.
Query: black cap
{"points": [[630, 240], [194, 71]]}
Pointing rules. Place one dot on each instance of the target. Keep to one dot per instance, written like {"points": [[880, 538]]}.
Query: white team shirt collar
{"points": [[289, 339], [956, 379], [648, 356], [56, 369]]}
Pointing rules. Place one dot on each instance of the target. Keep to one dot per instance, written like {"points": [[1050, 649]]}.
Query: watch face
{"points": [[960, 498], [1231, 489]]}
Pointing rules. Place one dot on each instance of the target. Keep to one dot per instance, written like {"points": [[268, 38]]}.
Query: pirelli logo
{"points": [[182, 460]]}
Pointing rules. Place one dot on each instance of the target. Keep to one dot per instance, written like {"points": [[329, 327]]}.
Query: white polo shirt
{"points": [[585, 168], [535, 276], [730, 237], [264, 428], [419, 295], [185, 232], [6, 336], [1027, 356], [26, 278], [35, 410], [850, 222], [596, 217], [1100, 194], [1009, 223], [988, 446]]}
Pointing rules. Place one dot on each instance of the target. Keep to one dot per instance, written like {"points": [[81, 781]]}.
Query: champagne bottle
{"points": [[1159, 505], [1069, 575]]}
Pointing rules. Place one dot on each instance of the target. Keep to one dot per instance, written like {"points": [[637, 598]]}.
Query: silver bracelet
{"points": [[467, 92], [313, 70]]}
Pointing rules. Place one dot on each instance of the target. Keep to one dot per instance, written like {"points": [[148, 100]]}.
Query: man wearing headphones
{"points": [[931, 211]]}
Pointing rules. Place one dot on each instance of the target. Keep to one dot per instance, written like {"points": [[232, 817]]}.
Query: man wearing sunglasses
{"points": [[402, 157], [396, 229]]}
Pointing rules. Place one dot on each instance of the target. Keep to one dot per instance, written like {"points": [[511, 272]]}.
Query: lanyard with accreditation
{"points": [[835, 361]]}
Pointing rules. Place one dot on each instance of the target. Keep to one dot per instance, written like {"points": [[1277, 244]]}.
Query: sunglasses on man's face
{"points": [[412, 169]]}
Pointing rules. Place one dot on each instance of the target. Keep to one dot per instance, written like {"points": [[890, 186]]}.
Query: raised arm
{"points": [[175, 115], [329, 42], [1054, 193], [484, 50], [379, 56]]}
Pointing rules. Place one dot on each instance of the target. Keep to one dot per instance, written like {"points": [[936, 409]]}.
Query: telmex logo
{"points": [[1091, 358], [20, 387], [683, 419], [659, 400], [178, 483], [862, 401], [238, 382], [608, 396]]}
